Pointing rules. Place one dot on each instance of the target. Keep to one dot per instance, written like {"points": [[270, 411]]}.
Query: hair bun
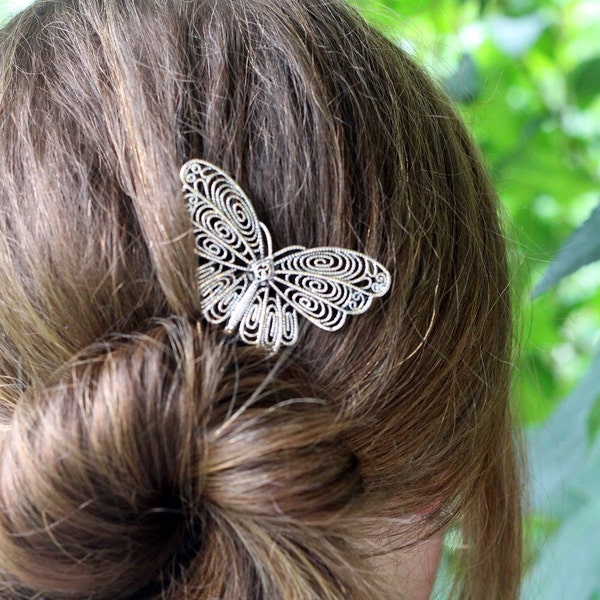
{"points": [[287, 461], [107, 474], [90, 486]]}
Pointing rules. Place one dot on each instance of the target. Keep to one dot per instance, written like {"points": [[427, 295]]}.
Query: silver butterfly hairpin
{"points": [[260, 293]]}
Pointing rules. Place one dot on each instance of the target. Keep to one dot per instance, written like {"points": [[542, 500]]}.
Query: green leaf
{"points": [[536, 387], [584, 80], [558, 449], [586, 482], [594, 421], [581, 248], [567, 567]]}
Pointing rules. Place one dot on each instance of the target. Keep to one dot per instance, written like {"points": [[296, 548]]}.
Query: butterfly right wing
{"points": [[227, 236], [327, 284]]}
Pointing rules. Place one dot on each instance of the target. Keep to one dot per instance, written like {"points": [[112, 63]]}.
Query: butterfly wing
{"points": [[228, 236], [268, 321], [220, 287], [327, 284]]}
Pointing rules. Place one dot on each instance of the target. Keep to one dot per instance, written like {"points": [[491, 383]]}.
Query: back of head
{"points": [[143, 455]]}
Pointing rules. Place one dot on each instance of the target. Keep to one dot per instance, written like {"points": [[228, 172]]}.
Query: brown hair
{"points": [[143, 455]]}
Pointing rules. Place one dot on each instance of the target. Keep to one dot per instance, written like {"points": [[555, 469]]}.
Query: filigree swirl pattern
{"points": [[206, 185], [344, 265], [256, 292]]}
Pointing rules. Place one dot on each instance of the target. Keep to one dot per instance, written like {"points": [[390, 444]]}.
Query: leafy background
{"points": [[526, 75]]}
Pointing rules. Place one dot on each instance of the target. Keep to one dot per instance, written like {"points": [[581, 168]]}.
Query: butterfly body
{"points": [[260, 293], [262, 270], [261, 274]]}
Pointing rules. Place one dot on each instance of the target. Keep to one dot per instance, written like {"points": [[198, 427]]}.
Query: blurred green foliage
{"points": [[526, 75]]}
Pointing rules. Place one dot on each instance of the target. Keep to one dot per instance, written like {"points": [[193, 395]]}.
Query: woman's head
{"points": [[142, 452]]}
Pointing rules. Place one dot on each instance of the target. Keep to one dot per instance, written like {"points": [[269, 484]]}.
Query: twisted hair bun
{"points": [[109, 475]]}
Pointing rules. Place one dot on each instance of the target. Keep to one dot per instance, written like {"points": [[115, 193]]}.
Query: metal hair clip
{"points": [[255, 291]]}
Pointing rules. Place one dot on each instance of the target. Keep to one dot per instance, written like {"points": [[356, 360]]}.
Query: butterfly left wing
{"points": [[220, 287], [327, 284], [228, 237], [226, 227]]}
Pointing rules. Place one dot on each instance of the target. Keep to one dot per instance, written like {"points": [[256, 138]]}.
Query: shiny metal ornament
{"points": [[255, 291]]}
